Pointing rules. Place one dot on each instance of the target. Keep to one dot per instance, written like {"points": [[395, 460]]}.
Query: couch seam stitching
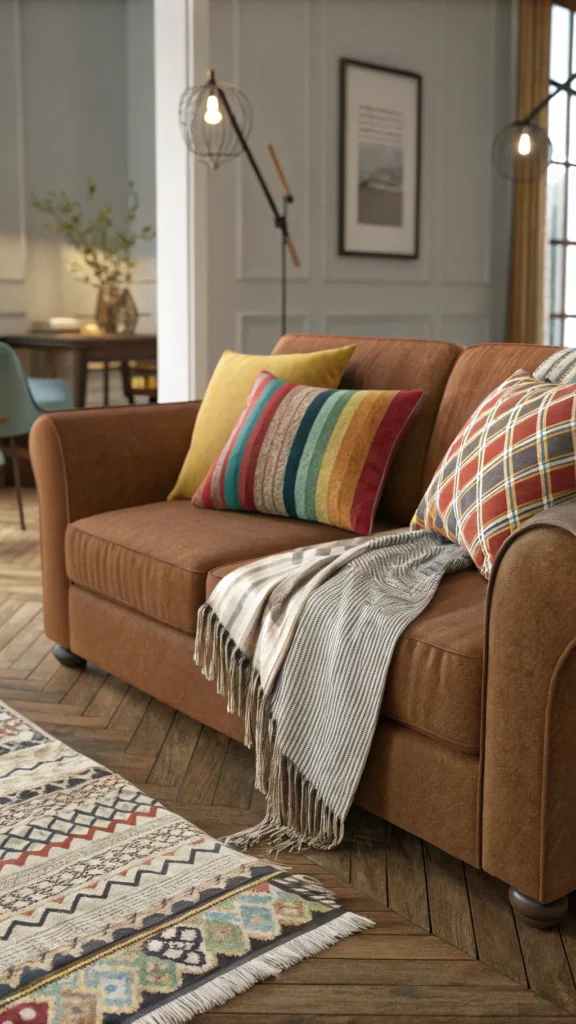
{"points": [[131, 608], [64, 468], [124, 547], [525, 528], [442, 650], [552, 690], [469, 752]]}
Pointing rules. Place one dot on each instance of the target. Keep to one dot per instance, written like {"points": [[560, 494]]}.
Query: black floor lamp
{"points": [[216, 120]]}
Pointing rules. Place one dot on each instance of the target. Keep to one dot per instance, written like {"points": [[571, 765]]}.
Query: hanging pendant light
{"points": [[522, 151]]}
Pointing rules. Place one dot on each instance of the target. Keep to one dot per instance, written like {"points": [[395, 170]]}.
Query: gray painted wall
{"points": [[284, 54], [77, 86]]}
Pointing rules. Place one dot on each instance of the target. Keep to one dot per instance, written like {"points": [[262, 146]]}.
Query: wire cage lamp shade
{"points": [[216, 120], [522, 151], [207, 114]]}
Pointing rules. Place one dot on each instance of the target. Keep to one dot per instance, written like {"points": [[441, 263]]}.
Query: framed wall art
{"points": [[380, 110]]}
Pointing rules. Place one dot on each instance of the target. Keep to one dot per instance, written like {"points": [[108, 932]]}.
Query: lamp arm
{"points": [[286, 190], [287, 197], [279, 219], [546, 100]]}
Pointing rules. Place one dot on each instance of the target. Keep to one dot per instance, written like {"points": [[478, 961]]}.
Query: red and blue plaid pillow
{"points": [[514, 457]]}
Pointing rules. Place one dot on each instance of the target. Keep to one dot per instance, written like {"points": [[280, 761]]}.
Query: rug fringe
{"points": [[296, 815], [267, 964]]}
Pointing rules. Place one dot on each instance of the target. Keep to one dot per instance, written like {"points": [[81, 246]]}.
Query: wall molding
{"points": [[422, 321], [43, 123], [447, 291], [12, 295], [476, 324], [489, 93], [413, 272], [13, 322], [297, 323], [242, 274]]}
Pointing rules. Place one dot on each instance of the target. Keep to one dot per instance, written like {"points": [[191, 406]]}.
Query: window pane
{"points": [[555, 201], [557, 114], [570, 288], [571, 224], [570, 332], [559, 43], [560, 269], [554, 331], [554, 297], [572, 141]]}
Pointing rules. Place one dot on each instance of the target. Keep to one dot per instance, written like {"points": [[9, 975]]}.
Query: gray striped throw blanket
{"points": [[300, 644]]}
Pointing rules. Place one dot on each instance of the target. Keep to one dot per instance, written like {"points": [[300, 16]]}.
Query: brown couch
{"points": [[476, 746]]}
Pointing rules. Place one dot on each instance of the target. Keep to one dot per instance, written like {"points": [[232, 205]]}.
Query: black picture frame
{"points": [[346, 197]]}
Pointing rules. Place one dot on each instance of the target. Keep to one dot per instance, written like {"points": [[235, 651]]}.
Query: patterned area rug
{"points": [[114, 910]]}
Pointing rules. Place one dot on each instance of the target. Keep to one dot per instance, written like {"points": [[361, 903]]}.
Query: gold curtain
{"points": [[526, 299]]}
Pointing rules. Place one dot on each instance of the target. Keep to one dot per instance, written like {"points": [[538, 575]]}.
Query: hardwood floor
{"points": [[445, 947]]}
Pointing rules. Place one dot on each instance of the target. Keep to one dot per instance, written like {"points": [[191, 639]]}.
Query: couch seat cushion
{"points": [[155, 558], [435, 680]]}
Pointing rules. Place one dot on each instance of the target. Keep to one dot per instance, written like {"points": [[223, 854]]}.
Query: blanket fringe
{"points": [[297, 816], [268, 964], [223, 663]]}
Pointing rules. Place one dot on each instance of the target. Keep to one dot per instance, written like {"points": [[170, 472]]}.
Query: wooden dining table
{"points": [[88, 348]]}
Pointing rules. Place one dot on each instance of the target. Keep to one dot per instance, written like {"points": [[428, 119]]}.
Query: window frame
{"points": [[557, 320]]}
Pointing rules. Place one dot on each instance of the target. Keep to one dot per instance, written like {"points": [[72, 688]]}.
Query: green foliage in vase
{"points": [[104, 252]]}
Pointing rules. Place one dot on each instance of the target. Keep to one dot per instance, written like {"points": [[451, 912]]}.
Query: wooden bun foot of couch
{"points": [[68, 658], [537, 915]]}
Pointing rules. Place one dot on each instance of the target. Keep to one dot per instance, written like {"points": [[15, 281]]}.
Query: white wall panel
{"points": [[76, 101], [175, 220], [257, 333], [271, 62], [12, 235], [465, 134], [380, 33], [74, 95], [140, 146], [11, 323], [382, 325], [285, 56], [465, 329]]}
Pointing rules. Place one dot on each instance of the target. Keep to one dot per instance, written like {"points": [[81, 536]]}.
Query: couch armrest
{"points": [[88, 461], [529, 742]]}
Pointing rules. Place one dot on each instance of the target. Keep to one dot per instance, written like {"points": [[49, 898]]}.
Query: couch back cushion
{"points": [[396, 364], [478, 371]]}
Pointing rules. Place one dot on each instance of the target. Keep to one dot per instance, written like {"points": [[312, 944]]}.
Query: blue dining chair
{"points": [[22, 401]]}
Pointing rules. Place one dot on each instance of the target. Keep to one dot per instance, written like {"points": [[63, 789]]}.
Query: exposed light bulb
{"points": [[213, 114], [524, 144]]}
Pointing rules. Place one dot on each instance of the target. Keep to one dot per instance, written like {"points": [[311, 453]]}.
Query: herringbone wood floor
{"points": [[445, 947]]}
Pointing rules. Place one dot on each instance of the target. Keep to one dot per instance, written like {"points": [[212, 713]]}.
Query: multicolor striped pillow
{"points": [[310, 453]]}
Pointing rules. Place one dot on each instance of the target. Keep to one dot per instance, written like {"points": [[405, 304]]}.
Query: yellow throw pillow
{"points": [[226, 396]]}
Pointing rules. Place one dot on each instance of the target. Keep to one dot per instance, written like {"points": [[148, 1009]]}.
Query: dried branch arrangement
{"points": [[104, 253]]}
